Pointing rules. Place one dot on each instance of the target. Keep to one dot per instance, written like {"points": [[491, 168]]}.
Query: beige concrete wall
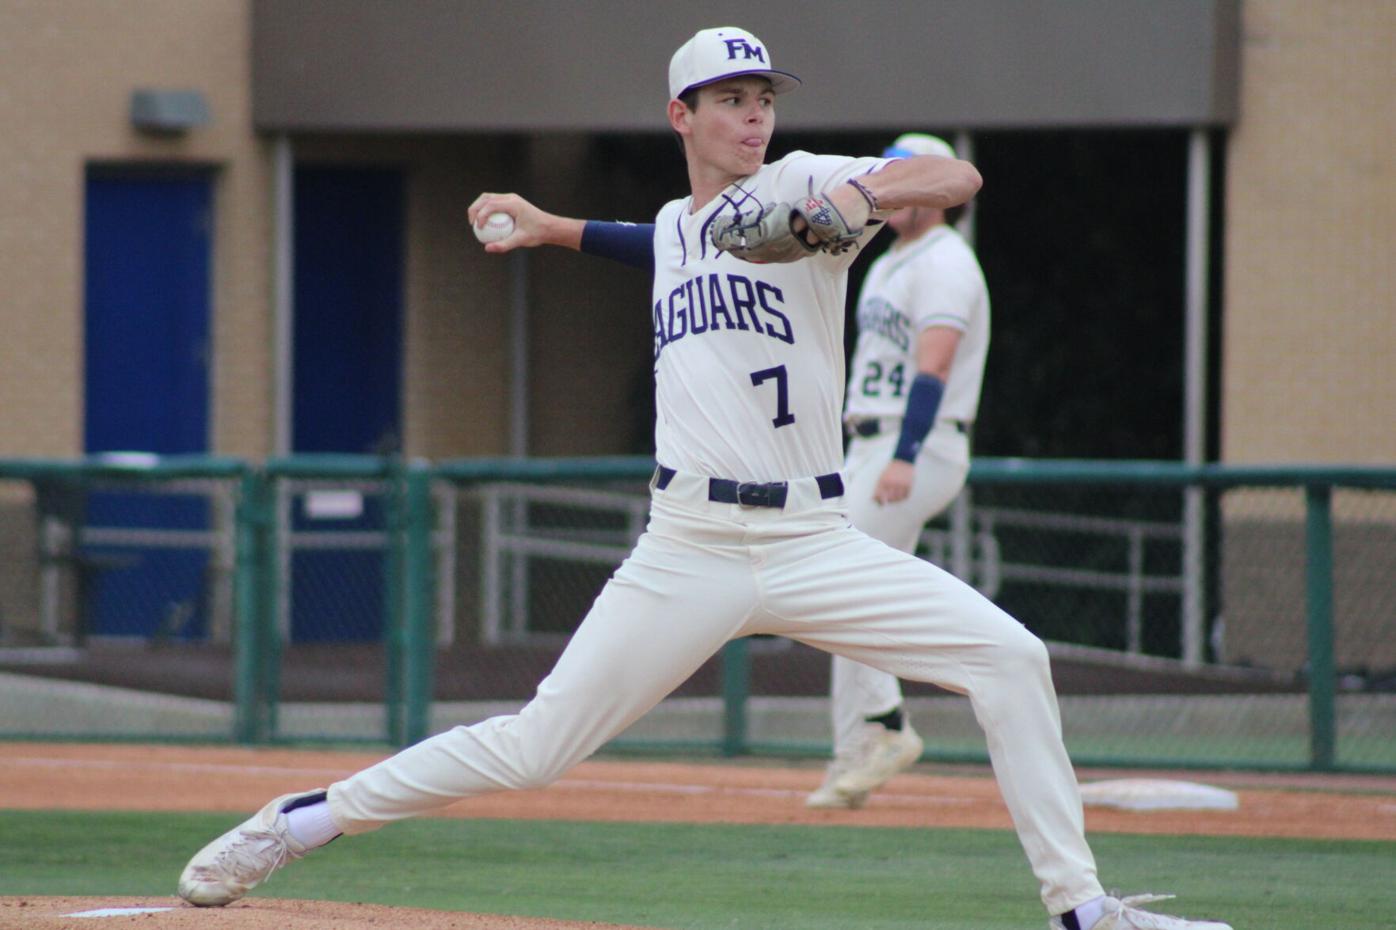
{"points": [[455, 389], [66, 74], [456, 369], [1310, 288], [588, 328], [1310, 281], [591, 345]]}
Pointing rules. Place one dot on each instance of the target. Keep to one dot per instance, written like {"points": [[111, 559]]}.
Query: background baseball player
{"points": [[913, 390], [748, 532]]}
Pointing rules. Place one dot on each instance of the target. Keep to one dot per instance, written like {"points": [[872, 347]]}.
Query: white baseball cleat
{"points": [[883, 754], [827, 797], [1121, 914], [242, 858]]}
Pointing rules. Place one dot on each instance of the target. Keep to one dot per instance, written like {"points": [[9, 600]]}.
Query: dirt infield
{"points": [[256, 914], [123, 777]]}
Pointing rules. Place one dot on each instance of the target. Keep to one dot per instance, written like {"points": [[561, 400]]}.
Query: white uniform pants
{"points": [[704, 573], [857, 691]]}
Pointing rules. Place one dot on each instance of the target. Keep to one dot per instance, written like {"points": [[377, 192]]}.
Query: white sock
{"points": [[1087, 914], [312, 825]]}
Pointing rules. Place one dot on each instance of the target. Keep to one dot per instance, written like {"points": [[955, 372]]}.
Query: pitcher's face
{"points": [[732, 124]]}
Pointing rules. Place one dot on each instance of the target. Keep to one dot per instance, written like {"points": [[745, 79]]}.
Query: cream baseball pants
{"points": [[858, 692], [704, 573]]}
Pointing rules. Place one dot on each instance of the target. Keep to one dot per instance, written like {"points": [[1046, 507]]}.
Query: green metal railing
{"points": [[1318, 483], [410, 582]]}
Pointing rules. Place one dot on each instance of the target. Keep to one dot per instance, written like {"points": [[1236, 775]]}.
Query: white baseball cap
{"points": [[918, 143], [723, 52]]}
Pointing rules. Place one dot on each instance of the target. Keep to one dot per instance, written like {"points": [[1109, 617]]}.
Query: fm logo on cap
{"points": [[745, 48]]}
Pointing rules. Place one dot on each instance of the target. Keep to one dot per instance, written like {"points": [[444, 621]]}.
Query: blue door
{"points": [[347, 373], [146, 264]]}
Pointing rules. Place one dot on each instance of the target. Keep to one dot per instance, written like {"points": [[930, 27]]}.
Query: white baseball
{"points": [[495, 227]]}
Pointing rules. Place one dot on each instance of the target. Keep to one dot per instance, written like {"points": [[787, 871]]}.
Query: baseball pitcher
{"points": [[748, 529]]}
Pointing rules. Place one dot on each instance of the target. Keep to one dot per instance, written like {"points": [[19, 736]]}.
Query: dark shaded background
{"points": [[1081, 235]]}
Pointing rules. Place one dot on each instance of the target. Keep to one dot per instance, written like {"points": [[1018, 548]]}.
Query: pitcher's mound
{"points": [[42, 913]]}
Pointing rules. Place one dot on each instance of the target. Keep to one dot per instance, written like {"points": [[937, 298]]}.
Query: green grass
{"points": [[1190, 750], [703, 877], [1203, 751]]}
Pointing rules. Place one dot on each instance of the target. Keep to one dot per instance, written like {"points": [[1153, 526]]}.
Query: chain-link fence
{"points": [[117, 596], [1214, 616]]}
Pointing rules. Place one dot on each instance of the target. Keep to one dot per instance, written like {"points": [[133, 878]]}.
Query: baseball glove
{"points": [[779, 232], [761, 235], [826, 229]]}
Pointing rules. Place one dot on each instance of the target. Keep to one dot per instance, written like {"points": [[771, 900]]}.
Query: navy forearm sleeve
{"points": [[630, 243], [922, 402]]}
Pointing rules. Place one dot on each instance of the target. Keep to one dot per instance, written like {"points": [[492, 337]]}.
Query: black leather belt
{"points": [[872, 427], [754, 493]]}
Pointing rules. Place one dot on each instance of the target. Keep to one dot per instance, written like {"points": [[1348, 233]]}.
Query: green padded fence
{"points": [[375, 600]]}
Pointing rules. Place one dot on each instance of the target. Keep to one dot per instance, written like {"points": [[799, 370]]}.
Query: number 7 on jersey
{"points": [[783, 415]]}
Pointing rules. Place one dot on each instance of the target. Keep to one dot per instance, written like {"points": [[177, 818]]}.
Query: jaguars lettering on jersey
{"points": [[718, 302], [743, 353]]}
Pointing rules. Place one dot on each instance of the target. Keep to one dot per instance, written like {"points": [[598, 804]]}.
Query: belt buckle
{"points": [[757, 494]]}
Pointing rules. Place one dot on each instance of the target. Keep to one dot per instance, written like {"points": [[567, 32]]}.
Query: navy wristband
{"points": [[922, 402], [628, 243]]}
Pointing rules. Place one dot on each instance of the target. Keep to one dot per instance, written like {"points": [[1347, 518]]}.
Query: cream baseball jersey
{"points": [[932, 281], [744, 352]]}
